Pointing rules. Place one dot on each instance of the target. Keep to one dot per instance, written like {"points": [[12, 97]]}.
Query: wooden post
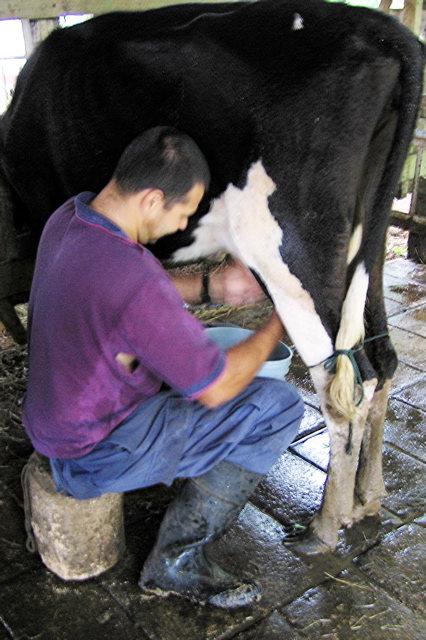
{"points": [[413, 15], [385, 5], [417, 241], [35, 31]]}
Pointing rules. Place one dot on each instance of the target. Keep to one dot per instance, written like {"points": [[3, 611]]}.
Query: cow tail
{"points": [[342, 384], [342, 391], [8, 237]]}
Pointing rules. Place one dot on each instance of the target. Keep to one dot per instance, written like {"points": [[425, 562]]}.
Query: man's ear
{"points": [[153, 198]]}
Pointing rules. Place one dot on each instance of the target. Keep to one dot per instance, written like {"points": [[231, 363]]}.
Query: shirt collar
{"points": [[94, 217]]}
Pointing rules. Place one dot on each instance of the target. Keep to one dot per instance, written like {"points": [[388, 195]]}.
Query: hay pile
{"points": [[13, 381]]}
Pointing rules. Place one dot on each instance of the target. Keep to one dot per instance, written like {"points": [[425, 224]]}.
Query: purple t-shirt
{"points": [[96, 294]]}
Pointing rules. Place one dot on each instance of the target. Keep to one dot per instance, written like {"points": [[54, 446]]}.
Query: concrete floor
{"points": [[372, 587]]}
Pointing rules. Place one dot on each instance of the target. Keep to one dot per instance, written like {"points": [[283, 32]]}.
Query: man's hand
{"points": [[235, 285], [230, 283], [243, 362]]}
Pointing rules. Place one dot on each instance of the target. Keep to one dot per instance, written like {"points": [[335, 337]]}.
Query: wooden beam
{"points": [[413, 15], [36, 9], [35, 31], [417, 224]]}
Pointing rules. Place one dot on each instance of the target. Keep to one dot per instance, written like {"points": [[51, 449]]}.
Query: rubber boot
{"points": [[206, 507]]}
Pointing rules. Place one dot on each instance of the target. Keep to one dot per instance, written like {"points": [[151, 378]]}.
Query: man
{"points": [[108, 328]]}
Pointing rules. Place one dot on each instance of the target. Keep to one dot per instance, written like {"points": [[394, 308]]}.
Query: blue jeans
{"points": [[169, 437]]}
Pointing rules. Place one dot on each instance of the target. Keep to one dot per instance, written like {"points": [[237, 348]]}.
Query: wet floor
{"points": [[372, 588]]}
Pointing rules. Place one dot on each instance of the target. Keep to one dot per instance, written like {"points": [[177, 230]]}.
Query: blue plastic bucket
{"points": [[276, 366]]}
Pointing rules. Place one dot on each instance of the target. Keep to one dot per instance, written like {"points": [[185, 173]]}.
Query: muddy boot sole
{"points": [[244, 595]]}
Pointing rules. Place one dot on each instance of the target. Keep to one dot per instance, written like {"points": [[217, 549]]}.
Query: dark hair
{"points": [[162, 158]]}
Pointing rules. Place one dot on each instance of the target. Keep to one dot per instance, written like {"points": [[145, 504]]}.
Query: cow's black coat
{"points": [[329, 108]]}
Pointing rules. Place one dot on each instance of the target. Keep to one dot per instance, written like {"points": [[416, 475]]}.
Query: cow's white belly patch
{"points": [[241, 223]]}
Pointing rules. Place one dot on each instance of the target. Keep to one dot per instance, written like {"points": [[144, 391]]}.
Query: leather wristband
{"points": [[205, 297]]}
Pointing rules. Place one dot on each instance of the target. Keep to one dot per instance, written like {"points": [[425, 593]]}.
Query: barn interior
{"points": [[372, 587]]}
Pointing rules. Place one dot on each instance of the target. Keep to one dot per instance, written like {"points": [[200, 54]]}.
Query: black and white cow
{"points": [[305, 111]]}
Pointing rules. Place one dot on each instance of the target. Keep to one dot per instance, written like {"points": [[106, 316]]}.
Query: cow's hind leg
{"points": [[345, 421], [258, 246], [370, 487], [338, 504]]}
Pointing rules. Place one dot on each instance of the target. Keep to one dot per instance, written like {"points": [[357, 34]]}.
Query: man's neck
{"points": [[115, 207]]}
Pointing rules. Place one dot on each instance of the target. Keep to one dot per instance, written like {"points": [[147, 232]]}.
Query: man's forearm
{"points": [[243, 362], [230, 283], [189, 286]]}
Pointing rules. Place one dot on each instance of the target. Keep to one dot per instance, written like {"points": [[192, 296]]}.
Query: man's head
{"points": [[167, 169], [162, 158]]}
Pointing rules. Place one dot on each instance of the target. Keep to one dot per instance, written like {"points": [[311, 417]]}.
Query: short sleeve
{"points": [[168, 340]]}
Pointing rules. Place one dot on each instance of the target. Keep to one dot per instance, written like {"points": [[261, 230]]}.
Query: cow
{"points": [[304, 111]]}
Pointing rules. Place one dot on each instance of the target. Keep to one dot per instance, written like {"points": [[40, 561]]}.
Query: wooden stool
{"points": [[76, 539]]}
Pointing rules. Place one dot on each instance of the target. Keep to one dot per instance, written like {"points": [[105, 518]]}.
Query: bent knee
{"points": [[283, 395]]}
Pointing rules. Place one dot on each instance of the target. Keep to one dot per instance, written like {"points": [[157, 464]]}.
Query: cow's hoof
{"points": [[361, 511], [305, 541]]}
